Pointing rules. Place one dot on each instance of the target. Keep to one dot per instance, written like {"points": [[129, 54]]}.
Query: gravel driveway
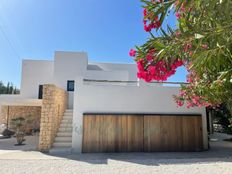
{"points": [[110, 166], [216, 161]]}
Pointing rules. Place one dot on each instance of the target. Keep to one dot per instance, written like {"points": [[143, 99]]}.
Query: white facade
{"points": [[96, 97]]}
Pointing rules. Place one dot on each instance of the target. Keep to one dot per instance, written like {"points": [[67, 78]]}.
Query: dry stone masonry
{"points": [[28, 112], [53, 107]]}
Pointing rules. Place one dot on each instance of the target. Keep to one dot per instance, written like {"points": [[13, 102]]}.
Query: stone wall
{"points": [[28, 112], [53, 107]]}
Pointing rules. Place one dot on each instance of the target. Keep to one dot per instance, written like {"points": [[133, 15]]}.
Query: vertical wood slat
{"points": [[152, 138], [135, 133], [176, 133], [192, 134], [113, 133]]}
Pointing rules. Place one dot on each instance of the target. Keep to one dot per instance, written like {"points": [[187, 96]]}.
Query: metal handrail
{"points": [[119, 81]]}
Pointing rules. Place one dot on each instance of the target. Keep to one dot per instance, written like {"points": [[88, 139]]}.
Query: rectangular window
{"points": [[40, 95], [70, 85]]}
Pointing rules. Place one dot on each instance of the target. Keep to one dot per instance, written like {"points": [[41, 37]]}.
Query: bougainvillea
{"points": [[202, 42]]}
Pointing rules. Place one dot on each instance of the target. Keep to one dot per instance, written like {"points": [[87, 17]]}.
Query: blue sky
{"points": [[34, 29]]}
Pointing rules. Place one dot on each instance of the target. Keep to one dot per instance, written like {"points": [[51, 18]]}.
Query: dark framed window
{"points": [[70, 85], [40, 95]]}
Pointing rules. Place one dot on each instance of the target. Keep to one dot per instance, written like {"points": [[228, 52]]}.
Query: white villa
{"points": [[103, 107]]}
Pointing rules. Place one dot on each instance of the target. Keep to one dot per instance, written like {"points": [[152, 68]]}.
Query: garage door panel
{"points": [[111, 133], [121, 134], [134, 133], [152, 136], [192, 134], [91, 135], [137, 133]]}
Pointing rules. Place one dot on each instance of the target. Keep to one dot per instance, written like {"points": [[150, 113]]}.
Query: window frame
{"points": [[69, 89]]}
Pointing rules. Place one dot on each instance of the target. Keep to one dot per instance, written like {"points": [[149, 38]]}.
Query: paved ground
{"points": [[217, 160], [29, 145]]}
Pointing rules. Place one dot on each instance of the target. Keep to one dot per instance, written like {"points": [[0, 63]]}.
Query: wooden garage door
{"points": [[137, 133], [172, 133], [110, 133]]}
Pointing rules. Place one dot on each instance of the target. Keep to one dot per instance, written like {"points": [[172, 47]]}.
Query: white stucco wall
{"points": [[68, 66], [126, 99], [35, 73], [130, 68], [107, 75]]}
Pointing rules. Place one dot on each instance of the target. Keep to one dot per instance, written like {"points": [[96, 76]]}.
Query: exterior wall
{"points": [[131, 69], [126, 99], [35, 73], [53, 108], [28, 112], [107, 75], [16, 100], [67, 66]]}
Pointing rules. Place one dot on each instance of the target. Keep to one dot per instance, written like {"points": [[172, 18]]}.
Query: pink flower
{"points": [[156, 18], [152, 70], [147, 28], [178, 15], [182, 93], [180, 103], [178, 33], [140, 65], [204, 46], [187, 47], [190, 53], [158, 24], [149, 57], [132, 53], [145, 12], [182, 9]]}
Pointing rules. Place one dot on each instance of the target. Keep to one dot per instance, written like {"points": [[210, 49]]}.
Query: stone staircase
{"points": [[63, 140]]}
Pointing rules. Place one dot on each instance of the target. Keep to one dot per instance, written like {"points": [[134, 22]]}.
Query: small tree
{"points": [[202, 43], [19, 126]]}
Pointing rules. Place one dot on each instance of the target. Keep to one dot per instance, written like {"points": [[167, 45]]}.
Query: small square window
{"points": [[70, 85]]}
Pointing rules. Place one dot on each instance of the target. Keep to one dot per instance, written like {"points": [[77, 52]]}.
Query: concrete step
{"points": [[69, 111], [65, 129], [66, 121], [66, 125], [63, 139], [64, 134], [67, 117], [60, 150], [62, 144]]}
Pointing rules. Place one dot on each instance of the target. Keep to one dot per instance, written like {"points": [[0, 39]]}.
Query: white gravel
{"points": [[218, 160], [110, 166]]}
